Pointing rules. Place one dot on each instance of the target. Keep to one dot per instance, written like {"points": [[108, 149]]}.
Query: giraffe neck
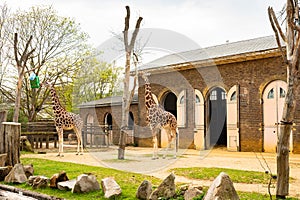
{"points": [[57, 107], [149, 101]]}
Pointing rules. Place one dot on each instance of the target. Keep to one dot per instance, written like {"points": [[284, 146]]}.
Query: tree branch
{"points": [[126, 28], [272, 18], [134, 34]]}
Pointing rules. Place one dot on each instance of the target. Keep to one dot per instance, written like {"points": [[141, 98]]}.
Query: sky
{"points": [[207, 23]]}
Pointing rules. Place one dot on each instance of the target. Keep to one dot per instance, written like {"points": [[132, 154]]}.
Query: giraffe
{"points": [[64, 120], [157, 119]]}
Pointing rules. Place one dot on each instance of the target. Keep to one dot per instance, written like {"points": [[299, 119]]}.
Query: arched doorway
{"points": [[170, 105], [216, 122], [273, 99], [108, 121], [89, 127]]}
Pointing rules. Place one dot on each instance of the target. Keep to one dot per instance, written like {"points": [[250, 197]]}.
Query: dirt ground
{"points": [[139, 160]]}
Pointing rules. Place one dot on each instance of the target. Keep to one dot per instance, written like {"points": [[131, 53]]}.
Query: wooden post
{"points": [[12, 132], [3, 115]]}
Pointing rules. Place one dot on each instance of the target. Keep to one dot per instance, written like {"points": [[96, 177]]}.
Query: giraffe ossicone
{"points": [[64, 120], [158, 119]]}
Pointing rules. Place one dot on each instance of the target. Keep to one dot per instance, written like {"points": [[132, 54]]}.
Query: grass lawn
{"points": [[237, 176], [128, 181]]}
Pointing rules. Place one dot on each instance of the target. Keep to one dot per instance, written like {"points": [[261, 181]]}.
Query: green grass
{"points": [[237, 176], [129, 182]]}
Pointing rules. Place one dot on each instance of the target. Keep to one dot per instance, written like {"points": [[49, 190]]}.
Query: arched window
{"points": [[199, 109], [181, 109]]}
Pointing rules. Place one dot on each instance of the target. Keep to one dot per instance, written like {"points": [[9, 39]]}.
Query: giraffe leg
{"points": [[60, 142], [155, 146], [169, 143], [79, 141]]}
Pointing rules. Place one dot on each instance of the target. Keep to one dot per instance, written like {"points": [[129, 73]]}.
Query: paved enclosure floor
{"points": [[139, 160]]}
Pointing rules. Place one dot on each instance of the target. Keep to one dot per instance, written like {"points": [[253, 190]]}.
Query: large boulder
{"points": [[166, 189], [86, 183], [16, 175], [144, 191], [40, 182], [110, 187], [56, 178], [28, 169], [222, 189]]}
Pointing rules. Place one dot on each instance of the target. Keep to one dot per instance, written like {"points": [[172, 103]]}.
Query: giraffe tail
{"points": [[177, 140]]}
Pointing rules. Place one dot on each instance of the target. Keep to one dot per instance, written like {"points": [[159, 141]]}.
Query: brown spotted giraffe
{"points": [[158, 119], [64, 120]]}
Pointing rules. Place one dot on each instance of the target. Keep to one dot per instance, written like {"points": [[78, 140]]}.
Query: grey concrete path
{"points": [[139, 160]]}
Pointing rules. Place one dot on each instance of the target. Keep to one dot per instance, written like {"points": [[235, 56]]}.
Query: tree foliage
{"points": [[60, 47], [95, 80]]}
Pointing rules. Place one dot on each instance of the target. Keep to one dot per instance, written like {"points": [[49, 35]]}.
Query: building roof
{"points": [[209, 53], [107, 101], [235, 51]]}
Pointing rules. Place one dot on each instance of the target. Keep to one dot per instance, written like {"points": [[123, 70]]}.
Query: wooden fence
{"points": [[96, 136]]}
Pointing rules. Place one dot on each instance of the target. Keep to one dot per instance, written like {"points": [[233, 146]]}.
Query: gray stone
{"points": [[144, 191], [66, 185], [30, 180], [4, 171], [16, 175], [191, 193], [86, 183], [40, 182], [166, 189], [110, 187], [28, 169], [222, 189]]}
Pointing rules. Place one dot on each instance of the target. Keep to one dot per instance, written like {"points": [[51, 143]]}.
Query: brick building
{"points": [[230, 95]]}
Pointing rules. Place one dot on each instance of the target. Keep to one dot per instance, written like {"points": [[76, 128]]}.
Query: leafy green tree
{"points": [[95, 80], [59, 48]]}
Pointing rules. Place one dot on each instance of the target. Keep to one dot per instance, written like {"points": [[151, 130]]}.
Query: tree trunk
{"points": [[12, 132], [127, 94], [18, 99], [125, 109]]}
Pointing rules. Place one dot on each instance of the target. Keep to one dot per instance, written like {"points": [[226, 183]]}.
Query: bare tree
{"points": [[291, 38], [21, 56], [127, 94]]}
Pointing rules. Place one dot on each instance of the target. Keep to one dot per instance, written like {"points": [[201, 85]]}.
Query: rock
{"points": [[4, 171], [30, 180], [56, 178], [28, 169], [110, 188], [222, 189], [25, 144], [40, 182], [144, 191], [166, 189], [66, 185], [16, 175], [191, 193], [86, 183]]}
